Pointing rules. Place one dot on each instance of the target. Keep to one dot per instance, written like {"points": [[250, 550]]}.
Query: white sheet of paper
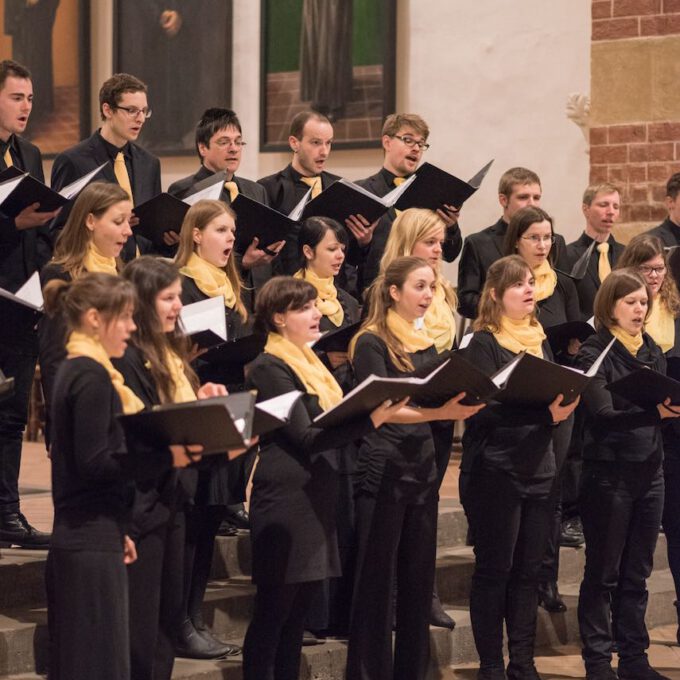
{"points": [[206, 315]]}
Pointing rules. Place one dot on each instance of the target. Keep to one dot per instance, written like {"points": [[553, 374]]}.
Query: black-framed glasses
{"points": [[411, 142], [133, 111], [648, 271]]}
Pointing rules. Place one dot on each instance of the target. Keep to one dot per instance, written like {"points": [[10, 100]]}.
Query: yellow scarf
{"points": [[661, 325], [546, 280], [440, 324], [82, 345], [316, 378], [183, 390], [95, 261], [210, 279], [631, 342], [327, 302], [519, 335], [411, 338]]}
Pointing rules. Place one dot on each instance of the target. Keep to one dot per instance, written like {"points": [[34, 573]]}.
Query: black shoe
{"points": [[309, 639], [639, 671], [438, 617], [676, 604], [237, 515], [15, 530], [550, 599], [605, 673], [227, 529], [204, 631], [491, 674], [192, 645], [524, 672], [571, 533]]}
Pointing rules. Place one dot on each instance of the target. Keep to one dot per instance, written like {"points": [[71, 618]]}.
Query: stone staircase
{"points": [[228, 606]]}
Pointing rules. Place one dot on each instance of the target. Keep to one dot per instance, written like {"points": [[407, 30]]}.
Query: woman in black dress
{"points": [[86, 573], [396, 485], [507, 474], [292, 506], [622, 485]]}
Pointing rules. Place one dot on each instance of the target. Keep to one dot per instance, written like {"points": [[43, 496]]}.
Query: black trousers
{"points": [[155, 589], [671, 525], [392, 536], [510, 531], [88, 615], [621, 506], [19, 365], [273, 642]]}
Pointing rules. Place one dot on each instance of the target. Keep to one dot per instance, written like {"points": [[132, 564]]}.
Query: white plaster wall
{"points": [[491, 77]]}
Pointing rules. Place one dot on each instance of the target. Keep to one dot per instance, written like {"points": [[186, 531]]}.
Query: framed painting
{"points": [[333, 56], [182, 50], [51, 38]]}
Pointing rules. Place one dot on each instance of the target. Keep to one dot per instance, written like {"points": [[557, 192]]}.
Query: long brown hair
{"points": [[199, 216], [73, 242], [150, 275], [380, 301], [500, 276], [641, 249]]}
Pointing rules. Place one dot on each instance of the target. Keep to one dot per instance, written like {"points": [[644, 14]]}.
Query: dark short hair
{"points": [[212, 121], [617, 285], [313, 230], [673, 186], [113, 89], [277, 296], [297, 125], [12, 69]]}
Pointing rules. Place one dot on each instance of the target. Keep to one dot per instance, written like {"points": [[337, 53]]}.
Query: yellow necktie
{"points": [[8, 158], [397, 181], [232, 189], [120, 170], [604, 269], [315, 183]]}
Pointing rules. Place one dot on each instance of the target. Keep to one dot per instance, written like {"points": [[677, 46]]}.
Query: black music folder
{"points": [[433, 188], [646, 388], [6, 386], [218, 424], [560, 335], [256, 219], [578, 271], [274, 413], [20, 311], [158, 215], [337, 340], [240, 351]]}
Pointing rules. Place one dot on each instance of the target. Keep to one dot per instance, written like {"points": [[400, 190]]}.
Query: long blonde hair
{"points": [[199, 217], [411, 227], [73, 242]]}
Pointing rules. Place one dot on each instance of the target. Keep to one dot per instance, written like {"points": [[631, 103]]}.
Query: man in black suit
{"points": [[24, 248], [219, 144], [124, 111], [518, 187], [669, 230], [404, 140], [601, 208]]}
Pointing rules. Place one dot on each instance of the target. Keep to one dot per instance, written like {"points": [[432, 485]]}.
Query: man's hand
{"points": [[30, 217], [256, 257], [361, 229], [449, 214], [170, 238], [134, 221]]}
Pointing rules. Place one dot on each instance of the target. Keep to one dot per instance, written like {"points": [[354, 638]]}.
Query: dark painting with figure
{"points": [[182, 50], [50, 38], [334, 56]]}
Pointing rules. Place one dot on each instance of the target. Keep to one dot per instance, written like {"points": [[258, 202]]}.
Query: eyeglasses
{"points": [[410, 142], [223, 143], [536, 240], [648, 271], [133, 111]]}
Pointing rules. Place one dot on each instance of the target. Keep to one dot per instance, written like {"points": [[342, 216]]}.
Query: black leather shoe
{"points": [[438, 617], [15, 530], [550, 599], [571, 533], [491, 674], [639, 671], [237, 515], [204, 631], [192, 645], [605, 673], [227, 529], [524, 672]]}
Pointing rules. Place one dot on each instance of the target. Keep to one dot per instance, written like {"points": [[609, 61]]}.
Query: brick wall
{"points": [[621, 19]]}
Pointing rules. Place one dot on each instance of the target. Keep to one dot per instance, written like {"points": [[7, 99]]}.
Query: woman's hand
{"points": [[559, 412], [385, 411], [185, 455], [195, 352], [454, 410], [211, 390], [337, 359], [668, 410], [129, 550], [235, 453], [573, 347]]}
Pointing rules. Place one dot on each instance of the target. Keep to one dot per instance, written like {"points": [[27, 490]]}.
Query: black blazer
{"points": [[380, 184], [84, 157], [480, 251], [284, 193], [27, 251], [668, 232], [588, 286]]}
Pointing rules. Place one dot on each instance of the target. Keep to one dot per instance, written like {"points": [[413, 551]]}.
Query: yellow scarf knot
{"points": [[210, 279], [519, 335], [546, 280], [183, 391], [440, 323], [631, 342], [411, 338], [96, 261], [327, 301], [661, 325]]}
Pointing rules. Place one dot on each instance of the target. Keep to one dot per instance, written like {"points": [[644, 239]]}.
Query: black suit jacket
{"points": [[284, 193], [369, 267], [669, 233], [84, 157], [480, 251], [588, 286], [26, 251]]}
